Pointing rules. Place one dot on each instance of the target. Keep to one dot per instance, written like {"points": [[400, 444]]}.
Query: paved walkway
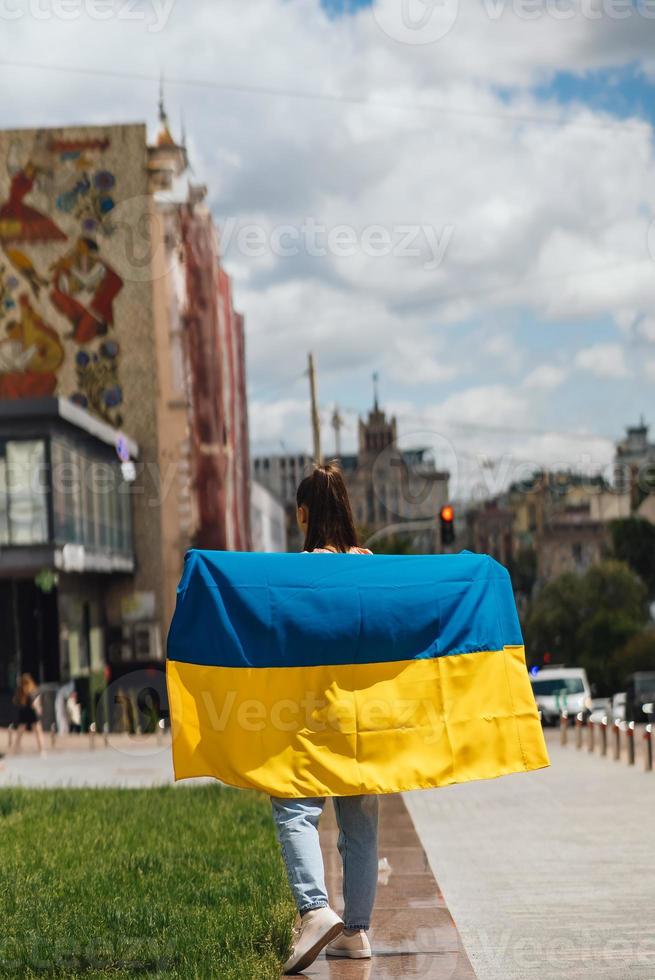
{"points": [[412, 933], [126, 761], [549, 874]]}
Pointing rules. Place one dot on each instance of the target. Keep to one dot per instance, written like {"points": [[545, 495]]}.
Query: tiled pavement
{"points": [[549, 874], [412, 934]]}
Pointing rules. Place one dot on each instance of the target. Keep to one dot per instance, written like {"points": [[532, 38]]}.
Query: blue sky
{"points": [[623, 92], [524, 147]]}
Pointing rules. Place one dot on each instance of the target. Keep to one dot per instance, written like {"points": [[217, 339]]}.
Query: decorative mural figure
{"points": [[89, 198], [84, 289], [97, 379], [79, 284], [18, 221], [30, 357], [8, 284], [24, 267]]}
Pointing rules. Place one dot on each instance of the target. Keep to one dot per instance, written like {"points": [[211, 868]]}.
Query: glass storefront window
{"points": [[67, 475], [4, 513], [91, 504], [26, 496]]}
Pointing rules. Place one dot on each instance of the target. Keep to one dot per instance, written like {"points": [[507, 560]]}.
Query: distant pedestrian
{"points": [[74, 712], [27, 700]]}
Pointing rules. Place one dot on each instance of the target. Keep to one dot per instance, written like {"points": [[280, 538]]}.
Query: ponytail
{"points": [[330, 520]]}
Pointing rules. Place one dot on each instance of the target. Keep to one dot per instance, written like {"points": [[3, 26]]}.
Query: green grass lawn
{"points": [[173, 882]]}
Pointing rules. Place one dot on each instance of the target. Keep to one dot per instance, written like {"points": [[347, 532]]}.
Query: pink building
{"points": [[216, 357]]}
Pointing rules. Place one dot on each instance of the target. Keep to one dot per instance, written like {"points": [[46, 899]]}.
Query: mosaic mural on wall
{"points": [[58, 289]]}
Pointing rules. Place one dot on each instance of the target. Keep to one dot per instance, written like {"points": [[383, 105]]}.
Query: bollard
{"points": [[603, 735], [159, 730], [630, 730], [92, 735], [591, 734], [10, 736], [105, 734], [563, 727], [648, 738], [53, 735], [617, 740], [578, 730], [649, 710]]}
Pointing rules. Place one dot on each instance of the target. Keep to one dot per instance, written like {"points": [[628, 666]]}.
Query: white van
{"points": [[558, 689]]}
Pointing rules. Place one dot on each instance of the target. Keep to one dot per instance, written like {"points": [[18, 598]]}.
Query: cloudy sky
{"points": [[458, 196]]}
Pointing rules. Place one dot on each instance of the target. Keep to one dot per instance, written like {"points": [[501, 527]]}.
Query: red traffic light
{"points": [[447, 513]]}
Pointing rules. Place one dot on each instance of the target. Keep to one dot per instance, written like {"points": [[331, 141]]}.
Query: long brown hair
{"points": [[24, 689], [329, 516]]}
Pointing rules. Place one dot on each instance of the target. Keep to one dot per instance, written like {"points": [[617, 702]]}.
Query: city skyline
{"points": [[525, 314]]}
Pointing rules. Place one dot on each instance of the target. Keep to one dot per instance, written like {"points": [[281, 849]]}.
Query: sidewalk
{"points": [[130, 761], [413, 934], [549, 874]]}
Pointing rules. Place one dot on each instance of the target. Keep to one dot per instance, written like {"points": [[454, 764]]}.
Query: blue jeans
{"points": [[296, 823]]}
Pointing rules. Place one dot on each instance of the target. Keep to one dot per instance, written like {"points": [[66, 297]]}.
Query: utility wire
{"points": [[277, 385], [329, 97], [492, 429]]}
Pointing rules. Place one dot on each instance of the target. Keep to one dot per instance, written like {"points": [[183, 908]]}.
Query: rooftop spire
{"points": [[164, 137], [376, 378]]}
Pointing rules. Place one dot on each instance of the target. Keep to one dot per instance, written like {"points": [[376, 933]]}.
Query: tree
{"points": [[584, 620], [523, 570], [553, 620], [637, 654], [633, 541]]}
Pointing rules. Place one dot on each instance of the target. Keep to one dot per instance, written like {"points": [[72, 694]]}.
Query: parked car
{"points": [[640, 691], [618, 706], [600, 708], [558, 689]]}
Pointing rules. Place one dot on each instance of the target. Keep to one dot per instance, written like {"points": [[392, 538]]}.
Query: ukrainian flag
{"points": [[331, 675]]}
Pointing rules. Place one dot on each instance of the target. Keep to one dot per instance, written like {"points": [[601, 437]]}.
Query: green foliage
{"points": [[396, 544], [175, 882], [523, 570], [584, 620], [637, 654], [633, 541]]}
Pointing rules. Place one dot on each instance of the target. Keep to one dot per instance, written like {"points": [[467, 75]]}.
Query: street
{"points": [[549, 874]]}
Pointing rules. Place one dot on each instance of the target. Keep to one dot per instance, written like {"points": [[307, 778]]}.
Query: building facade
{"points": [[634, 464], [389, 485], [268, 520], [386, 485], [281, 475], [111, 299]]}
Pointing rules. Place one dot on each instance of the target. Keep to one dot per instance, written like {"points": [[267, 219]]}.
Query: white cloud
{"points": [[549, 210], [545, 377], [603, 360], [487, 405]]}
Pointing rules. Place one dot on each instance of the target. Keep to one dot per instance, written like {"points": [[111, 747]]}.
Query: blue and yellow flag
{"points": [[332, 675]]}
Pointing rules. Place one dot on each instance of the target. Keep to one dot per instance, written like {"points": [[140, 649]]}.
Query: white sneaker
{"points": [[354, 947], [318, 928]]}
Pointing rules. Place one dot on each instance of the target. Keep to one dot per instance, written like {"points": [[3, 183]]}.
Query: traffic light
{"points": [[447, 518]]}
